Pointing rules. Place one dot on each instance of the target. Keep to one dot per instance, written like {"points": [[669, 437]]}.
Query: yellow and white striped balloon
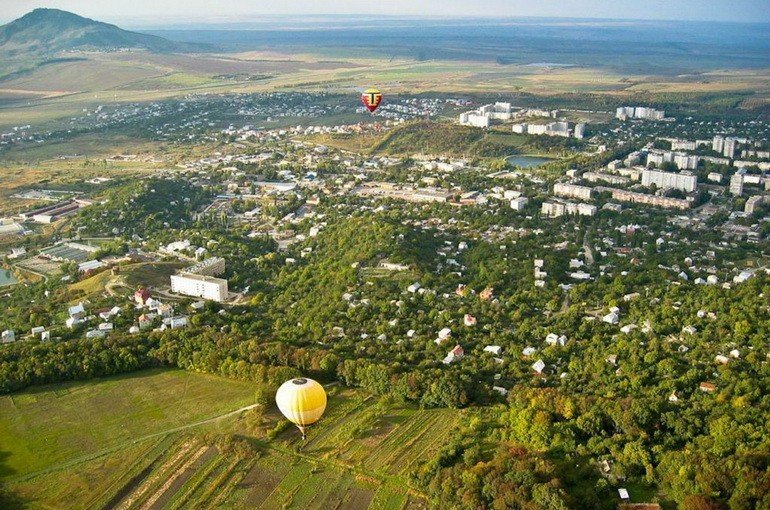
{"points": [[302, 401]]}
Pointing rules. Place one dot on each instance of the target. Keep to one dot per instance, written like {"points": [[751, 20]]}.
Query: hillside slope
{"points": [[51, 31]]}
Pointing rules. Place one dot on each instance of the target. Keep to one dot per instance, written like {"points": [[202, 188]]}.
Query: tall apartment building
{"points": [[686, 161], [718, 144], [729, 148], [736, 183], [684, 181]]}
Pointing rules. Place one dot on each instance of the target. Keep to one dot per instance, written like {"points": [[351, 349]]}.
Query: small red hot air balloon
{"points": [[371, 99]]}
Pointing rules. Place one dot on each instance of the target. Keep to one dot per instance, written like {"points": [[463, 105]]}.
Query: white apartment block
{"points": [[556, 209], [206, 287], [518, 204], [684, 181], [572, 190], [609, 178], [639, 112]]}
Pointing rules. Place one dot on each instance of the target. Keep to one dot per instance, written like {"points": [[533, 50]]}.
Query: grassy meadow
{"points": [[47, 427], [137, 442]]}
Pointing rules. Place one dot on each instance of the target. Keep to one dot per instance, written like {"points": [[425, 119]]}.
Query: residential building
{"points": [[608, 178], [206, 287], [644, 198], [684, 181], [518, 204], [572, 190], [736, 183]]}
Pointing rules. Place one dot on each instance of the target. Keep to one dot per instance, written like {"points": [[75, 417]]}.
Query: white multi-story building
{"points": [[684, 181], [639, 112], [518, 204], [475, 119], [572, 190], [553, 209], [714, 177], [206, 287], [612, 179], [729, 148], [753, 203], [556, 209], [736, 183], [718, 144], [683, 145], [559, 128], [580, 130], [686, 161]]}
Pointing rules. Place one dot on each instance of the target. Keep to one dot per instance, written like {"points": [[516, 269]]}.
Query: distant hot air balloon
{"points": [[302, 401], [371, 99]]}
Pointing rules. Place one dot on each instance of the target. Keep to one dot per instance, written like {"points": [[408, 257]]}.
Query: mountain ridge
{"points": [[45, 31]]}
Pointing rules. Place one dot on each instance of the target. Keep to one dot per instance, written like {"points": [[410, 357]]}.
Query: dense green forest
{"points": [[333, 315]]}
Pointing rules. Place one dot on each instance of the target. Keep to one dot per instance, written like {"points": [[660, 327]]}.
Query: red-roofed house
{"points": [[141, 296]]}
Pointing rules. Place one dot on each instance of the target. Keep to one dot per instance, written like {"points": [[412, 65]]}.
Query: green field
{"points": [[47, 427], [137, 442]]}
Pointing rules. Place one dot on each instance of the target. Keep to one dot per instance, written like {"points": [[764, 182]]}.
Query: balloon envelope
{"points": [[371, 99], [302, 401]]}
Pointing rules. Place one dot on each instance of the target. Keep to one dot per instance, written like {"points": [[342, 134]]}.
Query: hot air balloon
{"points": [[371, 99], [302, 401]]}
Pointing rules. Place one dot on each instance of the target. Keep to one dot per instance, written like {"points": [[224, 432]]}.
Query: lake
{"points": [[6, 278], [527, 161]]}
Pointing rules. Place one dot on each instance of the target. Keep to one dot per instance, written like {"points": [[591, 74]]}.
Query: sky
{"points": [[155, 12]]}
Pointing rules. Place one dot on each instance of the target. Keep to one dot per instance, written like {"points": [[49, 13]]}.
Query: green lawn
{"points": [[53, 425], [113, 443]]}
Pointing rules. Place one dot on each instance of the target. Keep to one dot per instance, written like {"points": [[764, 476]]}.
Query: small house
{"points": [[8, 337], [141, 296]]}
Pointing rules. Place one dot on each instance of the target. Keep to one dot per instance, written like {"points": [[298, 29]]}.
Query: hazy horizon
{"points": [[146, 13]]}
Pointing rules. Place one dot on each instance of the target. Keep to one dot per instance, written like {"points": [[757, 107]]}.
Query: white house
{"points": [[554, 339], [494, 349], [7, 337], [443, 335], [538, 366]]}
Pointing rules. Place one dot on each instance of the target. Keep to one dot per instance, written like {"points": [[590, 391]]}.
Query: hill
{"points": [[45, 32]]}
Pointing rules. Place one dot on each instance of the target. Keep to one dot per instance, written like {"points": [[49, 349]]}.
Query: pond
{"points": [[527, 161], [6, 278]]}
